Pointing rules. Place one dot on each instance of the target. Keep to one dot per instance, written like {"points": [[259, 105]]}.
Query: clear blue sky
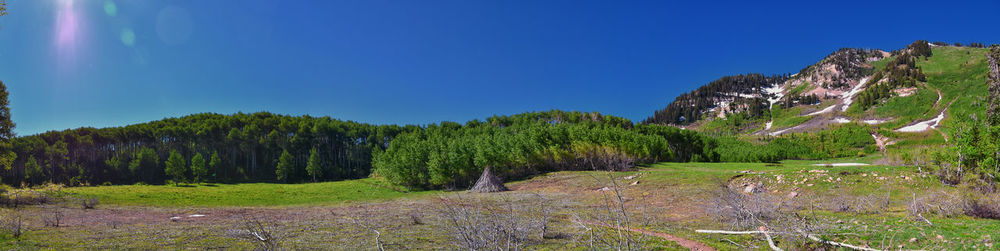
{"points": [[103, 63]]}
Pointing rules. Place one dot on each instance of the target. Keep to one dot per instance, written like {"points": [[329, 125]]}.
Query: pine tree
{"points": [[176, 167], [7, 155], [198, 168], [213, 163], [286, 167], [314, 167], [33, 171]]}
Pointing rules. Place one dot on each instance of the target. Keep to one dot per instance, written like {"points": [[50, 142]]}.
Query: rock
{"points": [[604, 189], [631, 177], [914, 239], [753, 188], [793, 194], [634, 183], [175, 218], [809, 185], [196, 216]]}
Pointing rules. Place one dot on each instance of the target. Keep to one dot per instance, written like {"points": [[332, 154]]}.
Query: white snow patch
{"points": [[777, 92], [841, 164], [848, 97], [873, 121], [924, 125], [743, 95], [842, 120], [825, 110], [196, 216], [779, 132]]}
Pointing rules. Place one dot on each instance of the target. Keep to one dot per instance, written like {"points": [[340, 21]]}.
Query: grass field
{"points": [[673, 197], [251, 194]]}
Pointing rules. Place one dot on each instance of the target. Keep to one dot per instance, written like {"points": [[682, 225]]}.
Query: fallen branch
{"points": [[925, 219], [734, 243], [839, 244], [727, 232], [770, 242], [767, 234]]}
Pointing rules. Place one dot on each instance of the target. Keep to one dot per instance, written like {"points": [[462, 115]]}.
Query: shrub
{"points": [[987, 207], [12, 221], [263, 234], [940, 203], [88, 202]]}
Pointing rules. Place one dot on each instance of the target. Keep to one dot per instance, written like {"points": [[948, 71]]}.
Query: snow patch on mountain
{"points": [[825, 110], [924, 125], [848, 97]]}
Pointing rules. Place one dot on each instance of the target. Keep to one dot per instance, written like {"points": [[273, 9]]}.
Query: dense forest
{"points": [[276, 148], [449, 155], [689, 107], [224, 148]]}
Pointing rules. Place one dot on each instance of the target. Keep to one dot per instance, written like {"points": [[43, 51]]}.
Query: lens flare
{"points": [[110, 8], [128, 37], [67, 28], [69, 32]]}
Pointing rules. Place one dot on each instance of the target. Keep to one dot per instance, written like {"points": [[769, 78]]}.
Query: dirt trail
{"points": [[882, 141], [689, 244]]}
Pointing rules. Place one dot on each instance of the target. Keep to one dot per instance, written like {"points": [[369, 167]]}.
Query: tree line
{"points": [[202, 147], [689, 107], [452, 155]]}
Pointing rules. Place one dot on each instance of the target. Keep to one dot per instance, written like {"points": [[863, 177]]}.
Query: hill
{"points": [[908, 91]]}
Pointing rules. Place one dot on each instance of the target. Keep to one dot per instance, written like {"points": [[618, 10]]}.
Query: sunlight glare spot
{"points": [[128, 37], [110, 8]]}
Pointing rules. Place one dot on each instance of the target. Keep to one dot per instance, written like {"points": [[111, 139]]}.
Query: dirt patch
{"points": [[689, 244]]}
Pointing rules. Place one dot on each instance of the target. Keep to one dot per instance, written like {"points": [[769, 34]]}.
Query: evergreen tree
{"points": [[213, 163], [144, 165], [314, 168], [286, 167], [176, 167], [33, 171], [198, 168], [7, 155]]}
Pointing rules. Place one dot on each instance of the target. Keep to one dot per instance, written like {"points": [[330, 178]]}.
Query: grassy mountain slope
{"points": [[954, 84]]}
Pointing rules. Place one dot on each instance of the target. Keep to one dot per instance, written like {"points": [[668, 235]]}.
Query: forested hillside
{"points": [[451, 155], [900, 72], [740, 93], [232, 148], [278, 148]]}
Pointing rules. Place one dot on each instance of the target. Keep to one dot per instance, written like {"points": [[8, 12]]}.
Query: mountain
{"points": [[917, 89]]}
